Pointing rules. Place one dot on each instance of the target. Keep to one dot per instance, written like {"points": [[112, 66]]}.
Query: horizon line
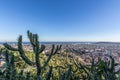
{"points": [[65, 41]]}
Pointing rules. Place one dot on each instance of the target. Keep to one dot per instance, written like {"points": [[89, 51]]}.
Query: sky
{"points": [[60, 20]]}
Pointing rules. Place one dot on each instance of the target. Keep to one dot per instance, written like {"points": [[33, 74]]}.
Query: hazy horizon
{"points": [[64, 20], [63, 41]]}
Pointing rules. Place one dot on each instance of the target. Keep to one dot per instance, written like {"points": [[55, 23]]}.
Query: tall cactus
{"points": [[101, 70], [90, 70], [37, 49], [10, 69], [108, 68]]}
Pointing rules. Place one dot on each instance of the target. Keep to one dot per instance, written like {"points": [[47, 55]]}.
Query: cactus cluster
{"points": [[100, 69], [52, 67], [37, 49]]}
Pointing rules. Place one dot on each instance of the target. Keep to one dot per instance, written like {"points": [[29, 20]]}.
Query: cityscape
{"points": [[82, 50], [59, 39]]}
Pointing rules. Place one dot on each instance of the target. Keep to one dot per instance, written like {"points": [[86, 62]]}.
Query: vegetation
{"points": [[26, 65]]}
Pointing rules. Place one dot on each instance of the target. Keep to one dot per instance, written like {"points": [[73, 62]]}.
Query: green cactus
{"points": [[10, 69], [37, 49], [49, 74], [109, 69], [53, 67], [90, 70]]}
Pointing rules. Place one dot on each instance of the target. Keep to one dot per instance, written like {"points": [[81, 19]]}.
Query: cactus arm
{"points": [[12, 64], [30, 36], [57, 49], [7, 71], [112, 66], [81, 67], [49, 57], [6, 57], [10, 47], [38, 65], [42, 48], [51, 54], [22, 53], [49, 74]]}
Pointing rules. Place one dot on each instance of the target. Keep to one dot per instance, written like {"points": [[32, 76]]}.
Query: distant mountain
{"points": [[106, 43], [66, 42]]}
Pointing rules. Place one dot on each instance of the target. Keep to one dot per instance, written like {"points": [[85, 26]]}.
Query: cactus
{"points": [[53, 52], [10, 69], [101, 70], [37, 49], [60, 66], [49, 74], [109, 69]]}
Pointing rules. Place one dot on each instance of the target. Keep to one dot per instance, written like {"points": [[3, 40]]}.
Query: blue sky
{"points": [[61, 20]]}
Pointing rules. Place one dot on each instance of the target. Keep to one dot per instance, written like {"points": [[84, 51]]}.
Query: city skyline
{"points": [[64, 20]]}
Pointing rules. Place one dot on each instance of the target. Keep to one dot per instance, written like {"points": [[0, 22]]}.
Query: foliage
{"points": [[36, 65]]}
